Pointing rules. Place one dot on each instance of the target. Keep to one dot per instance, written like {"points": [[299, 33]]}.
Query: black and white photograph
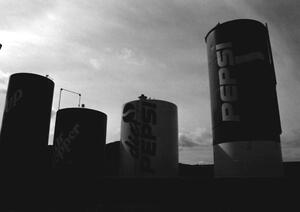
{"points": [[149, 105]]}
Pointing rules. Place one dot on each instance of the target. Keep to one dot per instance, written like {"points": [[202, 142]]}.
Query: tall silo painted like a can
{"points": [[26, 122], [245, 116], [149, 139], [79, 141]]}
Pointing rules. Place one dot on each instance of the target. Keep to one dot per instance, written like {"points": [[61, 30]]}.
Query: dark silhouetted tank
{"points": [[79, 141], [245, 115], [25, 124], [112, 159]]}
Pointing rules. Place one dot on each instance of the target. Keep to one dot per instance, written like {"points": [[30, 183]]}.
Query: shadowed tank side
{"points": [[112, 159], [79, 141], [25, 124]]}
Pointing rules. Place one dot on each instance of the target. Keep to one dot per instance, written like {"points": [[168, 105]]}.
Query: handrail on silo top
{"points": [[62, 89]]}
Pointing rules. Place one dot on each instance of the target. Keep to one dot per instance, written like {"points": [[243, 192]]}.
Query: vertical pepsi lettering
{"points": [[227, 83], [132, 142], [141, 142], [242, 83], [148, 139]]}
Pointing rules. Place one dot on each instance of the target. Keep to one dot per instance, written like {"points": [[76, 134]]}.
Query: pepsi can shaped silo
{"points": [[25, 123], [79, 141], [149, 139], [245, 115]]}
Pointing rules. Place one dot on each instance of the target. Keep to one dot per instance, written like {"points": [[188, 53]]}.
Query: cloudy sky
{"points": [[112, 51]]}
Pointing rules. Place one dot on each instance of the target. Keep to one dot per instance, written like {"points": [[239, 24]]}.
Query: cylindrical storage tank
{"points": [[79, 141], [149, 139], [245, 115], [112, 159], [25, 123]]}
